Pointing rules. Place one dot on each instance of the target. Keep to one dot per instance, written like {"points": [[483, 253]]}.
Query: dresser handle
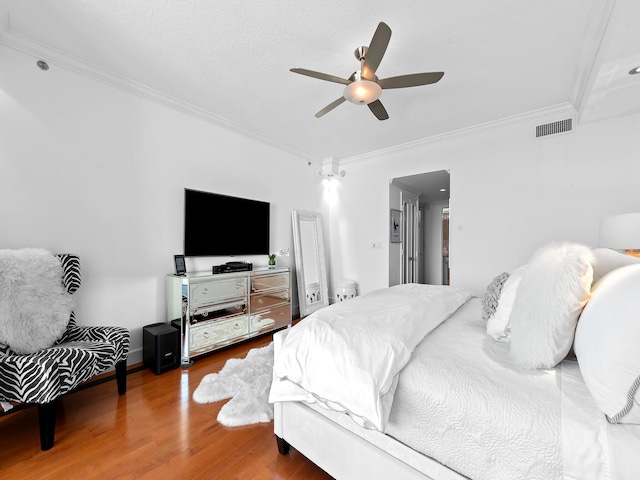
{"points": [[205, 334], [260, 301]]}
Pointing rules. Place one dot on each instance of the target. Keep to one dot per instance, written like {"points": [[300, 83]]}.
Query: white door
{"points": [[410, 238]]}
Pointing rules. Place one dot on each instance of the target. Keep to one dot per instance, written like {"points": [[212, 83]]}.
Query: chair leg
{"points": [[121, 376], [47, 420]]}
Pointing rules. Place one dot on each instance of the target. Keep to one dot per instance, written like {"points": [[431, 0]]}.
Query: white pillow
{"points": [[607, 260], [607, 344], [497, 324], [551, 295], [34, 305]]}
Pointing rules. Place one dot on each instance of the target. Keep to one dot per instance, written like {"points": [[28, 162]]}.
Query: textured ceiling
{"points": [[229, 61]]}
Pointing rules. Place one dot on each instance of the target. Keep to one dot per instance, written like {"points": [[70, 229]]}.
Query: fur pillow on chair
{"points": [[34, 305]]}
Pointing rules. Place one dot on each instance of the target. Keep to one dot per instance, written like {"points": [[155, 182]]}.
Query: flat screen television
{"points": [[221, 225]]}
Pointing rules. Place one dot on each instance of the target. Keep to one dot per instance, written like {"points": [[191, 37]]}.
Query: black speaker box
{"points": [[160, 347]]}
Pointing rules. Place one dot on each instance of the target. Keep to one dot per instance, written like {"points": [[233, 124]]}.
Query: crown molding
{"points": [[597, 38], [53, 56], [542, 115]]}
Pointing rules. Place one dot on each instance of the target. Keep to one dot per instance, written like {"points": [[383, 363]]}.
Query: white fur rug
{"points": [[247, 382]]}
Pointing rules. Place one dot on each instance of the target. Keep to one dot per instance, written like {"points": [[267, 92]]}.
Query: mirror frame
{"points": [[296, 217]]}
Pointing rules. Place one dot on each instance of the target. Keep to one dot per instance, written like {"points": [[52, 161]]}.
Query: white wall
{"points": [[510, 195], [89, 169], [395, 249]]}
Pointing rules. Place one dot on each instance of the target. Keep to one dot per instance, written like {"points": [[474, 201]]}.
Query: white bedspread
{"points": [[459, 401], [347, 356]]}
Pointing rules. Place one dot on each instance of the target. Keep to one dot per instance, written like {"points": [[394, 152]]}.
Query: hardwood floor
{"points": [[155, 431]]}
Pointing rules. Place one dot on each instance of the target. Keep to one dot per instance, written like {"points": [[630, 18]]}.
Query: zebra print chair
{"points": [[82, 352]]}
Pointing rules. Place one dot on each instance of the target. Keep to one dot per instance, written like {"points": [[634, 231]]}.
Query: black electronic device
{"points": [[181, 267], [160, 347], [232, 267], [221, 225]]}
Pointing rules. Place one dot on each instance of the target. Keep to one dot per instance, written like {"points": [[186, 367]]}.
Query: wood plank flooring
{"points": [[155, 431]]}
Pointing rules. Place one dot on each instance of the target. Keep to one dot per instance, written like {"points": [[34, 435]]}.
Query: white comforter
{"points": [[346, 357], [460, 401]]}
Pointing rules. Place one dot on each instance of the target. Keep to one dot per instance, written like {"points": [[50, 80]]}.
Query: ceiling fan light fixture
{"points": [[362, 92], [634, 71]]}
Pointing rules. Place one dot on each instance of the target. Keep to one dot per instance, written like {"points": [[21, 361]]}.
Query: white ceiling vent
{"points": [[554, 128]]}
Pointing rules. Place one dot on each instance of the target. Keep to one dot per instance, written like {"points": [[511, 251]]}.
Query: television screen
{"points": [[221, 225]]}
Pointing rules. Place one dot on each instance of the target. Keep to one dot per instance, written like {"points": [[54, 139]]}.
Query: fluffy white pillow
{"points": [[607, 260], [34, 305], [607, 347], [551, 295], [498, 323]]}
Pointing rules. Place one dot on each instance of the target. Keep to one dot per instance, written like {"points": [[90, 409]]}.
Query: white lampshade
{"points": [[621, 232], [362, 92]]}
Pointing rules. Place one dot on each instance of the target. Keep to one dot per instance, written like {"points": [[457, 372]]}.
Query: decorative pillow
{"points": [[498, 323], [492, 295], [552, 293], [607, 260], [606, 345], [34, 305]]}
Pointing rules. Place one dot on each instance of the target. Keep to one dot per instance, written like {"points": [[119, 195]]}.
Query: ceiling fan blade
{"points": [[376, 50], [330, 107], [378, 110], [412, 80], [321, 76]]}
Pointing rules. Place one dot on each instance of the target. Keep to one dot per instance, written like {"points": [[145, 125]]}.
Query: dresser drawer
{"points": [[261, 301], [211, 312], [268, 282], [269, 319], [209, 334], [217, 291]]}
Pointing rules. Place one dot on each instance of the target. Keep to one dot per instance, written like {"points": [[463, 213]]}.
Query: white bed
{"points": [[459, 406]]}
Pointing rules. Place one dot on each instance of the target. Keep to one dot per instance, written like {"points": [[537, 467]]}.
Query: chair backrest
{"points": [[71, 278]]}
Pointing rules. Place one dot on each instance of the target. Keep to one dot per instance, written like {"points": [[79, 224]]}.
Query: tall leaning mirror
{"points": [[311, 270]]}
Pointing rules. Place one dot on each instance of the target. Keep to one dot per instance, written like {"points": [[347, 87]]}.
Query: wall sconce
{"points": [[621, 232], [330, 168]]}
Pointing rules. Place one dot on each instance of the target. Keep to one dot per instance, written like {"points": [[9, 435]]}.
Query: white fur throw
{"points": [[34, 305], [551, 295]]}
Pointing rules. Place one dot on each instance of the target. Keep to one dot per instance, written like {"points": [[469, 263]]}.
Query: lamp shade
{"points": [[362, 92], [621, 232]]}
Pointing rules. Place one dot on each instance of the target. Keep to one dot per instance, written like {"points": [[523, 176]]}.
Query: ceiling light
{"points": [[634, 71], [362, 92], [443, 189]]}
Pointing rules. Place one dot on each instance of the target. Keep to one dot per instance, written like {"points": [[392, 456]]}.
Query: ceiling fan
{"points": [[363, 87]]}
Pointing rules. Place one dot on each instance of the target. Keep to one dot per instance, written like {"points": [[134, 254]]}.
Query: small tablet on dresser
{"points": [[181, 267]]}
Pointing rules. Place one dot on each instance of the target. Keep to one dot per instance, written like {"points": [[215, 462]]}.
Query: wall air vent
{"points": [[554, 128]]}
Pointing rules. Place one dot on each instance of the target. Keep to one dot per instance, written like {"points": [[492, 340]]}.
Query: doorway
{"points": [[446, 271], [420, 255]]}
